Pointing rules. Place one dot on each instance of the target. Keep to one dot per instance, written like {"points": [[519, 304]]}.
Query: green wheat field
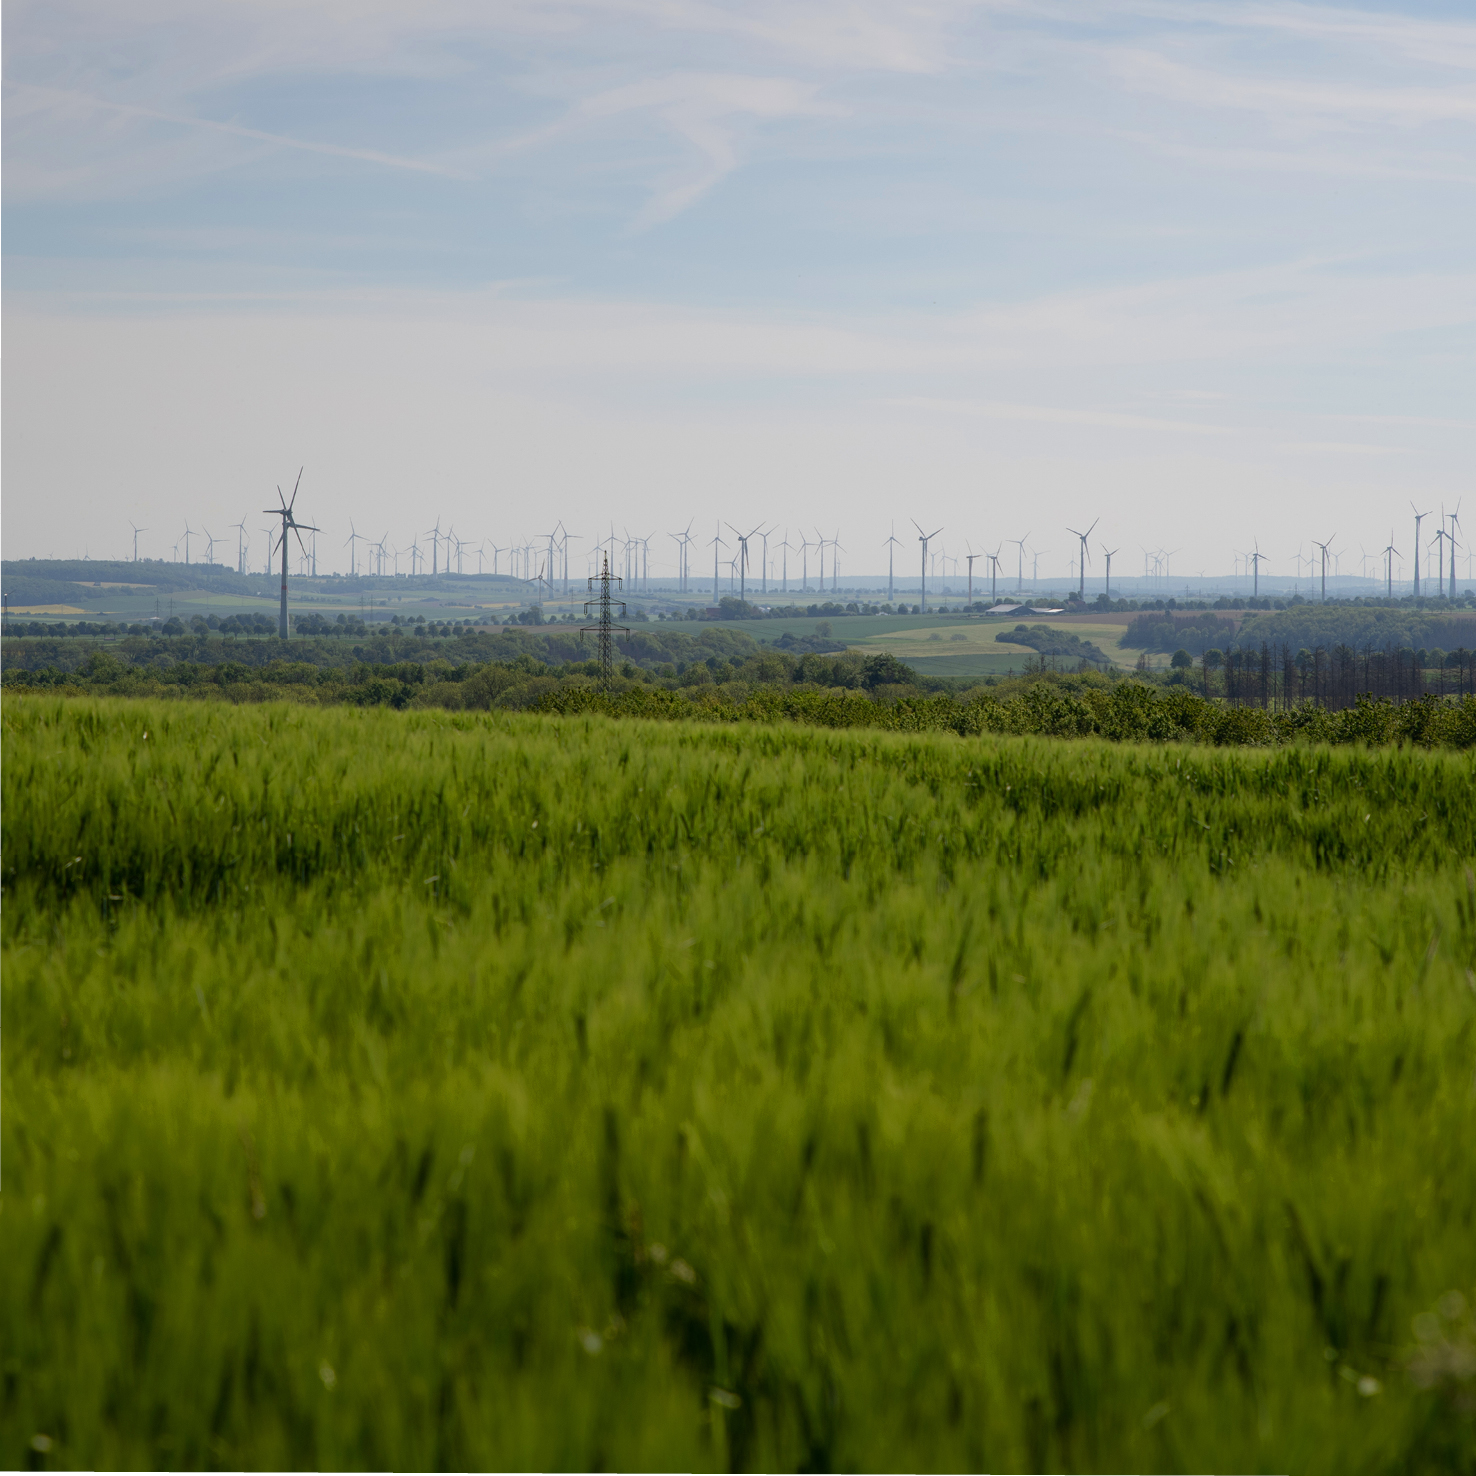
{"points": [[429, 1089]]}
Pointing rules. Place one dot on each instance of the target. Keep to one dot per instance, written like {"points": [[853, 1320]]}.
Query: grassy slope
{"points": [[567, 1093]]}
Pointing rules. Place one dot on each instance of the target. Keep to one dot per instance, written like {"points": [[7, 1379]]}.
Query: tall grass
{"points": [[428, 1089]]}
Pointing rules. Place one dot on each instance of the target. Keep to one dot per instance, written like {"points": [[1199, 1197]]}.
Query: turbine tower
{"points": [[1108, 554], [1020, 566], [743, 561], [716, 542], [136, 531], [354, 538], [1081, 587], [1419, 517], [288, 522], [892, 539], [1455, 522], [1323, 547], [1390, 554], [1255, 559], [925, 539]]}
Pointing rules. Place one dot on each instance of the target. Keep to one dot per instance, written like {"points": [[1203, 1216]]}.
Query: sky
{"points": [[1202, 269]]}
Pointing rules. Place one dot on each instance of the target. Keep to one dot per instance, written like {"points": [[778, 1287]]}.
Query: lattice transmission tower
{"points": [[604, 627]]}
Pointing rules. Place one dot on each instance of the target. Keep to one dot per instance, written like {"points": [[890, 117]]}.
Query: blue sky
{"points": [[1202, 268]]}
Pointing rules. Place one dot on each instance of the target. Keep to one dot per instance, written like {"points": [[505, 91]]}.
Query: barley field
{"points": [[450, 1089]]}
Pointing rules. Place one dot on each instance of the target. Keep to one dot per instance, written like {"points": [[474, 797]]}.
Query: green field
{"points": [[448, 1089], [976, 663]]}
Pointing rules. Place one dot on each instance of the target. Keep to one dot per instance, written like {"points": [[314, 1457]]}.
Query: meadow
{"points": [[423, 1089]]}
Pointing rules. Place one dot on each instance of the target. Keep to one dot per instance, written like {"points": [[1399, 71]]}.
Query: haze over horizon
{"points": [[1202, 270]]}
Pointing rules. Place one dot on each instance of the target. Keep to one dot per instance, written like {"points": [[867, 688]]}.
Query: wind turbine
{"points": [[288, 521], [1255, 559], [1419, 517], [1020, 566], [993, 571], [971, 556], [891, 539], [742, 557], [354, 538], [925, 539], [187, 532], [211, 540], [564, 536], [686, 579], [240, 546], [1108, 554], [717, 541], [1085, 558], [1323, 547], [552, 537], [136, 531], [836, 549], [1455, 522], [1390, 554], [1439, 541]]}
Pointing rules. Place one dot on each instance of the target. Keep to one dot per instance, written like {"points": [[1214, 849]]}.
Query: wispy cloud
{"points": [[707, 112], [1060, 415], [710, 114], [52, 97], [1413, 38], [1363, 163], [1347, 448], [1308, 100]]}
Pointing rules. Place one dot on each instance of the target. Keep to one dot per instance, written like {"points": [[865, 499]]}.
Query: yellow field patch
{"points": [[980, 639], [47, 610], [942, 640]]}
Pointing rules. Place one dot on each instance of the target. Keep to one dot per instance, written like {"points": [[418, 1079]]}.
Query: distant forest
{"points": [[1302, 627]]}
